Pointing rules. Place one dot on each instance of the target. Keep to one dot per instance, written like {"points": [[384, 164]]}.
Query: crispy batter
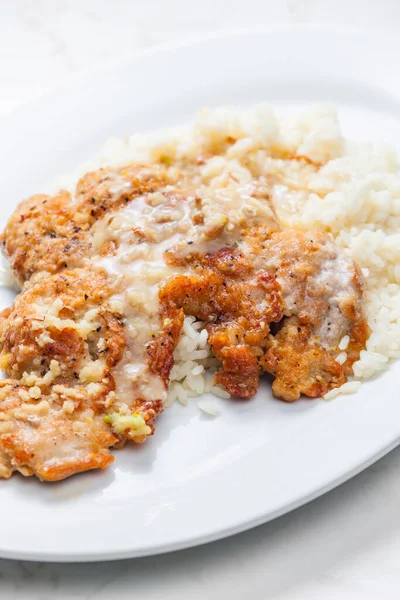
{"points": [[43, 235], [58, 343], [323, 296], [101, 191], [306, 278], [161, 350], [49, 234], [298, 365], [61, 318], [238, 304], [89, 354], [42, 438]]}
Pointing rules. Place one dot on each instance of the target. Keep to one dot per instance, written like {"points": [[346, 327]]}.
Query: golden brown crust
{"points": [[38, 331], [49, 443], [323, 297], [278, 301], [42, 235], [48, 234], [59, 339], [161, 350], [101, 191], [298, 365], [238, 304]]}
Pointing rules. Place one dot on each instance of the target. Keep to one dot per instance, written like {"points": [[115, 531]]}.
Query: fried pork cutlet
{"points": [[108, 275], [47, 234], [323, 296], [239, 304], [300, 282], [60, 341]]}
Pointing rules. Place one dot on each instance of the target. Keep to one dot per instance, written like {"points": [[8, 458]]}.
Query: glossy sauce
{"points": [[144, 231]]}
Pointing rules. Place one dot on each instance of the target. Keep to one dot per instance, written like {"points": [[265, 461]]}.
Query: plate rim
{"points": [[76, 557], [138, 55], [132, 58]]}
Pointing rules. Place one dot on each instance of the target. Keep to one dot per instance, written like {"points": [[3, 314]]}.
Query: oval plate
{"points": [[200, 479]]}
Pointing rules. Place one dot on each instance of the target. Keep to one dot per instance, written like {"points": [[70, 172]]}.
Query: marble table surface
{"points": [[344, 545]]}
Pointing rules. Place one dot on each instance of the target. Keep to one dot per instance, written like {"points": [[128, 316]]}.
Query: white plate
{"points": [[200, 479]]}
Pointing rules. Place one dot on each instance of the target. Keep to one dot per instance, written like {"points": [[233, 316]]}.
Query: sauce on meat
{"points": [[150, 227], [113, 270]]}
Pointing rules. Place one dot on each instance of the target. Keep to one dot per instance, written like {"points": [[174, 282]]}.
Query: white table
{"points": [[346, 544]]}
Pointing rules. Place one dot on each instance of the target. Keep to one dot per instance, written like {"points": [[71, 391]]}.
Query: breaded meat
{"points": [[109, 273]]}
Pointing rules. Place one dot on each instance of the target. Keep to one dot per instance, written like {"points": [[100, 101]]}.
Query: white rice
{"points": [[341, 358], [194, 368], [209, 406], [347, 388], [353, 193]]}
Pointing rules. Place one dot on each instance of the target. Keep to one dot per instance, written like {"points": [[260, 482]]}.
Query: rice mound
{"points": [[318, 180]]}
